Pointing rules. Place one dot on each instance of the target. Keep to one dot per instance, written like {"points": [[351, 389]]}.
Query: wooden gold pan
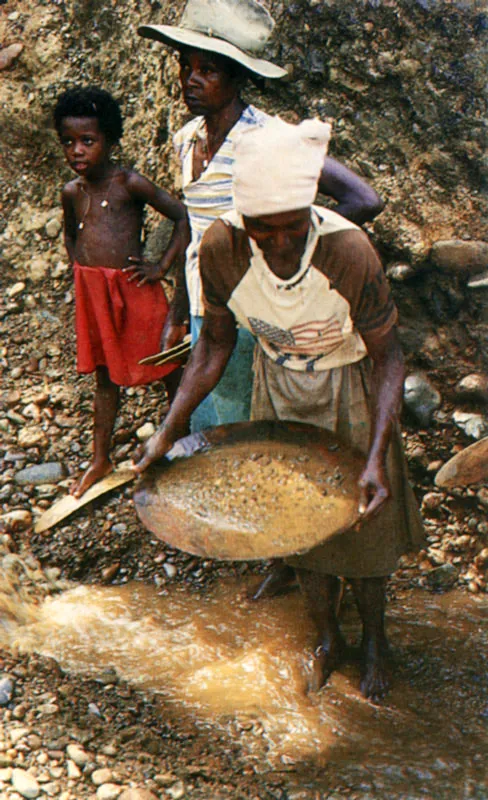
{"points": [[251, 490]]}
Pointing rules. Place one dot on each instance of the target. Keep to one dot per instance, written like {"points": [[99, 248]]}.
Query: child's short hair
{"points": [[90, 101]]}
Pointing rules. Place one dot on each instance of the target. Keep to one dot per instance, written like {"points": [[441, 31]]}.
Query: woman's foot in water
{"points": [[95, 472], [370, 598], [327, 657], [375, 669]]}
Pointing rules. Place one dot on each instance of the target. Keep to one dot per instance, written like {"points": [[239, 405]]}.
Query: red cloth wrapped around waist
{"points": [[117, 324]]}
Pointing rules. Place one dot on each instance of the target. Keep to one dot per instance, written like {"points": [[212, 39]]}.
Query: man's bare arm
{"points": [[203, 372], [356, 200]]}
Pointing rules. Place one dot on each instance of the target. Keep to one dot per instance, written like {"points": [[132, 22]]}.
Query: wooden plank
{"points": [[173, 354], [68, 505]]}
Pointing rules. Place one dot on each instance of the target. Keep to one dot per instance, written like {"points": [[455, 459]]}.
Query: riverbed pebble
{"points": [[482, 497], [17, 519], [16, 289], [6, 774], [108, 791], [25, 784], [47, 473], [6, 492], [32, 435], [474, 425], [400, 272], [9, 54], [443, 577], [458, 256], [145, 431], [19, 712], [76, 754], [176, 791], [473, 387], [482, 558], [170, 570], [6, 690], [72, 770], [421, 397], [16, 734], [100, 776], [432, 501]]}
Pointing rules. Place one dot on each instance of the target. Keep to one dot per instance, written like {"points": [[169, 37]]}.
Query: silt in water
{"points": [[243, 667]]}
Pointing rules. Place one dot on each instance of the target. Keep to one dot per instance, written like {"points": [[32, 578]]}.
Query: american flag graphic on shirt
{"points": [[314, 338]]}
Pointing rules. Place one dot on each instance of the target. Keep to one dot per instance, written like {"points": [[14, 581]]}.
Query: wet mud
{"points": [[242, 668]]}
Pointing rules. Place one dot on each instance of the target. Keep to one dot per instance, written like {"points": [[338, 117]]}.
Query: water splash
{"points": [[222, 659]]}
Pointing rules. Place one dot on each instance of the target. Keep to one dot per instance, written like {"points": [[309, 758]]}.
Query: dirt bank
{"points": [[404, 82]]}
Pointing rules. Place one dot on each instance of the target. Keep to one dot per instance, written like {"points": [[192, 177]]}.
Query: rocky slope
{"points": [[404, 82]]}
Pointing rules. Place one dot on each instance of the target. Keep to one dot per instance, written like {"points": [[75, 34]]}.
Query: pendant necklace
{"points": [[202, 135], [103, 204]]}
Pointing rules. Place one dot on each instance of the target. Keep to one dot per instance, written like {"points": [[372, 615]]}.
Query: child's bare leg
{"points": [[369, 594], [322, 593], [105, 411]]}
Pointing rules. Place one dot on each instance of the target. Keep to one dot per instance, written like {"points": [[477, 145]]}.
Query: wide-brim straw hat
{"points": [[238, 29]]}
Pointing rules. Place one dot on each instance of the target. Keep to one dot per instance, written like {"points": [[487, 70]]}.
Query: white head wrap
{"points": [[277, 166]]}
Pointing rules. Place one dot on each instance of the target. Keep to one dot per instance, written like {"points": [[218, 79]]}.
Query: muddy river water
{"points": [[242, 666]]}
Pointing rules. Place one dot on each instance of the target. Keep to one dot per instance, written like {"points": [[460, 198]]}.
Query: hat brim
{"points": [[178, 37]]}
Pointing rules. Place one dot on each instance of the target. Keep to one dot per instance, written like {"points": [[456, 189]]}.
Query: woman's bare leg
{"points": [[322, 593], [369, 594]]}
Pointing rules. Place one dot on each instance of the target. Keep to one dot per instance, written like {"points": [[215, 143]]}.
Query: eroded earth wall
{"points": [[404, 81]]}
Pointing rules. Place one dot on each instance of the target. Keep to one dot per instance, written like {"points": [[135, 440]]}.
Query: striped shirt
{"points": [[209, 197]]}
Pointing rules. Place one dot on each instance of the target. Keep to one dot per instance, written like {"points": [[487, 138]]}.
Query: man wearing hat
{"points": [[220, 44], [308, 284]]}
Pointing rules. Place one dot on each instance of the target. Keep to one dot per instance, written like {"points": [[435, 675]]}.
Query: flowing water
{"points": [[243, 667]]}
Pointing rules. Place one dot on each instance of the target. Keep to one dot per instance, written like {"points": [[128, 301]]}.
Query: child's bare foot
{"points": [[375, 672], [94, 473], [327, 657]]}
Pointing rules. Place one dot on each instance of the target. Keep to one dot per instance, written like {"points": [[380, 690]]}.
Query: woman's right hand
{"points": [[152, 450]]}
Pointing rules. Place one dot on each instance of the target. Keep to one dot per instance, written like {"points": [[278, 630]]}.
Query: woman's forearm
{"points": [[202, 373], [386, 400]]}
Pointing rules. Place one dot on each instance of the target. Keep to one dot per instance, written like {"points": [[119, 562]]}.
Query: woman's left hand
{"points": [[374, 489]]}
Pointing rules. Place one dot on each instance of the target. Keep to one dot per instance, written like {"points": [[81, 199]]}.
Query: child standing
{"points": [[118, 320]]}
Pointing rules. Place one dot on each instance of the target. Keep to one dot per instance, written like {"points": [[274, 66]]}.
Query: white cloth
{"points": [[282, 314], [277, 166]]}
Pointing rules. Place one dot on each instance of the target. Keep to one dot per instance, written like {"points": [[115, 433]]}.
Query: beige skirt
{"points": [[338, 400]]}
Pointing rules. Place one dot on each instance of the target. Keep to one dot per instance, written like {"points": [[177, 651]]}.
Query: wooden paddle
{"points": [[69, 504], [175, 353]]}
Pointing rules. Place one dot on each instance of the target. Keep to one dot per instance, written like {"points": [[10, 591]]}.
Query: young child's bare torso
{"points": [[107, 220]]}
